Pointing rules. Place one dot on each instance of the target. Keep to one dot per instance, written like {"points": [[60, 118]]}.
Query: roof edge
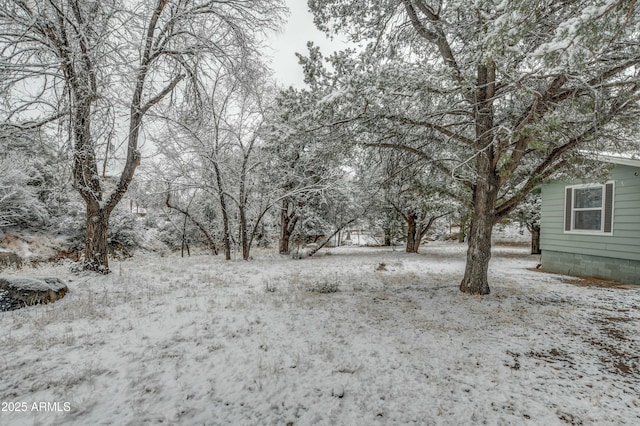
{"points": [[618, 160]]}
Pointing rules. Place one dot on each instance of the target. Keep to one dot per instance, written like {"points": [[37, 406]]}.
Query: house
{"points": [[593, 229]]}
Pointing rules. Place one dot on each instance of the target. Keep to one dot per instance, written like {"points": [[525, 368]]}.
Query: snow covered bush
{"points": [[19, 188], [125, 231]]}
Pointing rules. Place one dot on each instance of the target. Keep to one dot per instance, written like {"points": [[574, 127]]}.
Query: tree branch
{"points": [[212, 244], [420, 154], [162, 94]]}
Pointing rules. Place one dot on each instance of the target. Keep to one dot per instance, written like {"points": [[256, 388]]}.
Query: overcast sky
{"points": [[293, 38]]}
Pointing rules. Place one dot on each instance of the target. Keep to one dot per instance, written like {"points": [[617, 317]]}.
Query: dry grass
{"points": [[590, 281]]}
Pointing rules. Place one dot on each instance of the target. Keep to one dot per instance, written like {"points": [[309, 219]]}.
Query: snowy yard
{"points": [[328, 340]]}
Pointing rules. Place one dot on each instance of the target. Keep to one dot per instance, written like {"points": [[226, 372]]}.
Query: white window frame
{"points": [[602, 209]]}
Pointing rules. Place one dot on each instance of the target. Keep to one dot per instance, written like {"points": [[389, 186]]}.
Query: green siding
{"points": [[625, 241]]}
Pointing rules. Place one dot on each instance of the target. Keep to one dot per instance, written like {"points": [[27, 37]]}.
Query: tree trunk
{"points": [[462, 234], [412, 235], [243, 233], [285, 237], [185, 244], [288, 221], [475, 279], [87, 183], [421, 231], [85, 162], [258, 223], [387, 237], [485, 191], [535, 238], [485, 194], [226, 241], [96, 246], [416, 244]]}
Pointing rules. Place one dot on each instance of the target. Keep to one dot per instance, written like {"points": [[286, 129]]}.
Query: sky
{"points": [[298, 30]]}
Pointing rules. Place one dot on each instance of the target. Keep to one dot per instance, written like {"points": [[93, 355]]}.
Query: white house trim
{"points": [[570, 216], [615, 159]]}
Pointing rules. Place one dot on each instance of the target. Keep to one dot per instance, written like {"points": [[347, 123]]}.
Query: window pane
{"points": [[587, 198], [590, 220]]}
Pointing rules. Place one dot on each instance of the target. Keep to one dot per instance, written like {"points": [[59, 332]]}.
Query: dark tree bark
{"points": [[534, 229], [96, 239], [185, 243], [247, 235], [412, 234], [87, 183], [462, 234], [244, 242], [413, 230], [387, 237], [242, 207], [256, 226], [478, 256], [418, 229], [485, 190], [288, 221], [226, 240]]}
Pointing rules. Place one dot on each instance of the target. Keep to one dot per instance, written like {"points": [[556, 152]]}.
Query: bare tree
{"points": [[189, 216], [233, 148], [218, 148], [91, 60]]}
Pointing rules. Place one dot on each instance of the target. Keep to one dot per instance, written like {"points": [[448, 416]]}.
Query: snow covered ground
{"points": [[328, 340]]}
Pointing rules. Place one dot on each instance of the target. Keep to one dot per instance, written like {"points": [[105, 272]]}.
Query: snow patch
{"points": [[200, 340]]}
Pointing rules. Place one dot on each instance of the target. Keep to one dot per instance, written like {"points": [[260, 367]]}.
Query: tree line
{"points": [[442, 109]]}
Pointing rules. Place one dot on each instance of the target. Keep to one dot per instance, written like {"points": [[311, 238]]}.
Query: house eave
{"points": [[618, 160]]}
